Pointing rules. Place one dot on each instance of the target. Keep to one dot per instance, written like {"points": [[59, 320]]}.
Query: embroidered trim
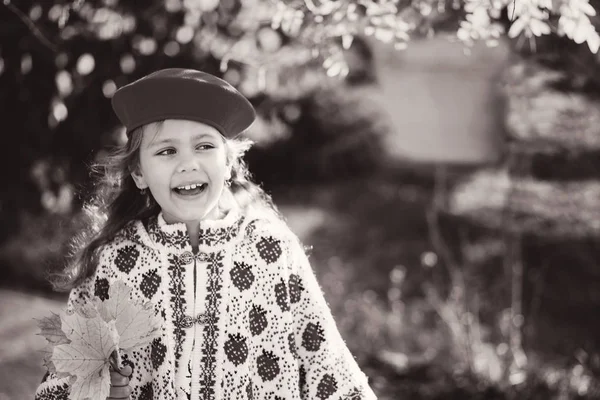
{"points": [[211, 328], [177, 237], [217, 237], [177, 290]]}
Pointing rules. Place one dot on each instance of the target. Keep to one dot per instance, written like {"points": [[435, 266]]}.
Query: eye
{"points": [[166, 152], [206, 146]]}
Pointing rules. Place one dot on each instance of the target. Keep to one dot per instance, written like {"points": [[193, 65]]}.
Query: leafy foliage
{"points": [[62, 60]]}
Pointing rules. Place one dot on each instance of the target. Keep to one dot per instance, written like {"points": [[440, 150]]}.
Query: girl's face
{"points": [[184, 165]]}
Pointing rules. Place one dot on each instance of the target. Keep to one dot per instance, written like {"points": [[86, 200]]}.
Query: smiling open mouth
{"points": [[190, 190]]}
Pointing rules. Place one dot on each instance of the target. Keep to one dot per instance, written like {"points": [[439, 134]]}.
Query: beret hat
{"points": [[177, 93]]}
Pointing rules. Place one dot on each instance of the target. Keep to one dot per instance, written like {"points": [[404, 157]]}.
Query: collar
{"points": [[213, 234]]}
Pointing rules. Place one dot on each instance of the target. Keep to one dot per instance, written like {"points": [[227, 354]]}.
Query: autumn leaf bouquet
{"points": [[86, 343]]}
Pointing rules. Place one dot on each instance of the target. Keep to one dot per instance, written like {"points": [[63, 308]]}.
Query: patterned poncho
{"points": [[244, 317]]}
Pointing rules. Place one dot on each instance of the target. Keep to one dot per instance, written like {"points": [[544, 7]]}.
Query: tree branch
{"points": [[29, 23]]}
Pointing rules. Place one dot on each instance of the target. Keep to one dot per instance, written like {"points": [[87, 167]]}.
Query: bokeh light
{"points": [[173, 6], [429, 259], [64, 83], [127, 63], [55, 12], [86, 64], [171, 49], [36, 12], [147, 46], [26, 64], [185, 34], [61, 60], [109, 88], [59, 111]]}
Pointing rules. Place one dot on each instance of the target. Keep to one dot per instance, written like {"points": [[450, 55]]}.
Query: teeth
{"points": [[189, 187]]}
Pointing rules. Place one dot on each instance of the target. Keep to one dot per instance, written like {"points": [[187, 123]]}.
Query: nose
{"points": [[188, 161]]}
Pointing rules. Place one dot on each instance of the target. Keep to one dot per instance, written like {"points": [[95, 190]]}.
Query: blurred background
{"points": [[441, 159]]}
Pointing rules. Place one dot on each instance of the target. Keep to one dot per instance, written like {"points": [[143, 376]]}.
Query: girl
{"points": [[184, 227]]}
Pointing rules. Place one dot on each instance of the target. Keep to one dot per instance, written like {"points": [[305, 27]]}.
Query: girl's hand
{"points": [[119, 384]]}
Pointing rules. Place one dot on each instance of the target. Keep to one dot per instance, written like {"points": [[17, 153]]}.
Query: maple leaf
{"points": [[47, 354], [47, 358], [86, 341], [135, 323], [50, 328], [86, 357], [89, 309]]}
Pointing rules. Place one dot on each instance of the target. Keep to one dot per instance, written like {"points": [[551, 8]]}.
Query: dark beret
{"points": [[177, 93]]}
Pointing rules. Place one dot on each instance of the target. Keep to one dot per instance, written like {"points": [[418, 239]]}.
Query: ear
{"points": [[138, 178], [228, 173]]}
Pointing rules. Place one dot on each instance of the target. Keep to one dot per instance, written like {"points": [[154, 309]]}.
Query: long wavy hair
{"points": [[116, 201]]}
